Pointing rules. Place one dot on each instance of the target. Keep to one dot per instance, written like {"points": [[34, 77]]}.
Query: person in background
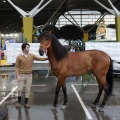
{"points": [[72, 49], [23, 69], [77, 50], [1, 54], [73, 78]]}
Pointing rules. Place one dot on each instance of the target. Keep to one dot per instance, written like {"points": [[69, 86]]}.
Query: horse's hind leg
{"points": [[105, 99], [98, 96], [65, 97], [105, 86], [101, 78]]}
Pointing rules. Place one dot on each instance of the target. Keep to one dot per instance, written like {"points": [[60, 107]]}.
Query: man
{"points": [[23, 68]]}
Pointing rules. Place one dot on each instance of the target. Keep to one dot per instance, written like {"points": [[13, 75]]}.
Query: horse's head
{"points": [[45, 42]]}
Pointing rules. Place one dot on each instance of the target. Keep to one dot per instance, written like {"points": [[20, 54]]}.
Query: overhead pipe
{"points": [[108, 9], [116, 11], [38, 10], [97, 21], [33, 12], [52, 16], [76, 22], [73, 23], [23, 13]]}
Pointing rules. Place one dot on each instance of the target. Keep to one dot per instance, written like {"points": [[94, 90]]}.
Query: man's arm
{"points": [[17, 67], [39, 58]]}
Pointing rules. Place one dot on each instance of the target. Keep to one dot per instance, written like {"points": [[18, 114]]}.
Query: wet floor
{"points": [[42, 97]]}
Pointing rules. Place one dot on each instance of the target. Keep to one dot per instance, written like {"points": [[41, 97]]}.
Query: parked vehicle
{"points": [[116, 68]]}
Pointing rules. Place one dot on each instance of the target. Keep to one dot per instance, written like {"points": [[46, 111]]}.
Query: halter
{"points": [[46, 46]]}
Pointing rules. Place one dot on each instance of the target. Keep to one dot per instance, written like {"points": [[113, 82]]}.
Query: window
{"points": [[83, 18]]}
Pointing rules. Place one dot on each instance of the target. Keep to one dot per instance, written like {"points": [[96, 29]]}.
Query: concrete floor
{"points": [[42, 97]]}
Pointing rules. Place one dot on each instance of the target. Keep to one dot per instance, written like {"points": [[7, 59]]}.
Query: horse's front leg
{"points": [[57, 90], [65, 97]]}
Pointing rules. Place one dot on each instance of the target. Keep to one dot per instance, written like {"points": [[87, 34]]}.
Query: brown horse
{"points": [[65, 64]]}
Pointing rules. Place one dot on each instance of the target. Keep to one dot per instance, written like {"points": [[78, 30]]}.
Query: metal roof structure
{"points": [[11, 19]]}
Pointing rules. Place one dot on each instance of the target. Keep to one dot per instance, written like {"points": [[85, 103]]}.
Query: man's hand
{"points": [[18, 78]]}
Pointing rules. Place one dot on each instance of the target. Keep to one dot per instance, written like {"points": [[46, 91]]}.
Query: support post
{"points": [[28, 18], [117, 24], [28, 28], [85, 37]]}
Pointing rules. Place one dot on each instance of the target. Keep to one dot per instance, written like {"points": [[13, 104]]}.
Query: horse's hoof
{"points": [[93, 106], [53, 108], [101, 109], [63, 107]]}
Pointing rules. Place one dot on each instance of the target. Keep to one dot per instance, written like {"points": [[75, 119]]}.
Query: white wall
{"points": [[112, 48], [14, 49]]}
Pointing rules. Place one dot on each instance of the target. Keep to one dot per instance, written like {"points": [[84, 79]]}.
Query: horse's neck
{"points": [[51, 56]]}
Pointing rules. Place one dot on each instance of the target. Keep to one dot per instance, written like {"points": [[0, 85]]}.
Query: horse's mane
{"points": [[59, 50]]}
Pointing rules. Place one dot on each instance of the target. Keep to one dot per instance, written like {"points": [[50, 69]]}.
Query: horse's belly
{"points": [[55, 71], [79, 71]]}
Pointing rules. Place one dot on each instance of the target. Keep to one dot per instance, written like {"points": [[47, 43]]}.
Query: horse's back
{"points": [[89, 55], [98, 56], [88, 60], [93, 54]]}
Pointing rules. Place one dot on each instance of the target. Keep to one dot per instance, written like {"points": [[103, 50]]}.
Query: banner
{"points": [[104, 33]]}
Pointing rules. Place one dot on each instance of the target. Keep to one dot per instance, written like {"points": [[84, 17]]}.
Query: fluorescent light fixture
{"points": [[2, 35], [11, 35], [16, 35]]}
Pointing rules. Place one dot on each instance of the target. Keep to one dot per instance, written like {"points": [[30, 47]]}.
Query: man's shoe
{"points": [[18, 105], [27, 106]]}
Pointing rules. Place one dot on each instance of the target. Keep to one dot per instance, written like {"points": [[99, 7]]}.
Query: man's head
{"points": [[25, 47]]}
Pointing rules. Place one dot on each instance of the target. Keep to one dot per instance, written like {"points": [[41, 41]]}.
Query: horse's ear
{"points": [[50, 32]]}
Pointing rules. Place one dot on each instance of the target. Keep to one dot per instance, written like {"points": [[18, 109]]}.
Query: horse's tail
{"points": [[109, 77]]}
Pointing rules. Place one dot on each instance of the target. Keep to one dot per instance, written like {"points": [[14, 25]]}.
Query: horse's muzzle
{"points": [[41, 52]]}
